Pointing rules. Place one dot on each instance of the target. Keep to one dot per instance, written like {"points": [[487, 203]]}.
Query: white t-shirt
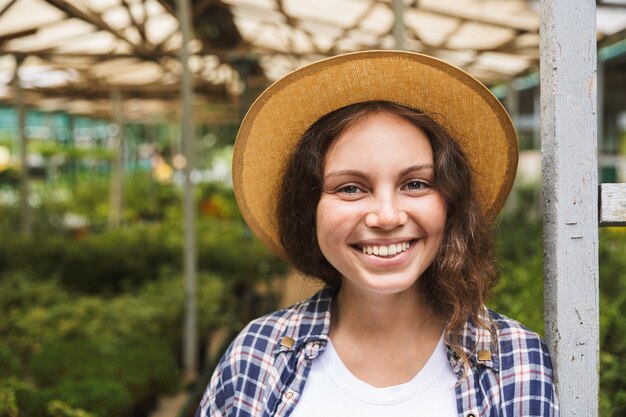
{"points": [[331, 390]]}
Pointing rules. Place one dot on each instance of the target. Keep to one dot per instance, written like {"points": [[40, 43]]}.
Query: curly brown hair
{"points": [[463, 274]]}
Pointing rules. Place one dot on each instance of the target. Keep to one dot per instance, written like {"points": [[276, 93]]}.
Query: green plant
{"points": [[8, 399], [81, 349], [58, 408]]}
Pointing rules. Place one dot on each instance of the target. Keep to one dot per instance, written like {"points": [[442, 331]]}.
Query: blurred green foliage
{"points": [[127, 258], [111, 356], [57, 408], [72, 244], [92, 318]]}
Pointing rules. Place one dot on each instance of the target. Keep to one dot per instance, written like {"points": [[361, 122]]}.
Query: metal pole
{"points": [[26, 221], [511, 102], [570, 200], [536, 118], [190, 340], [398, 25], [117, 173]]}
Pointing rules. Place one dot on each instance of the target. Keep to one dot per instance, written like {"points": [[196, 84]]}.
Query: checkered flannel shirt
{"points": [[262, 374]]}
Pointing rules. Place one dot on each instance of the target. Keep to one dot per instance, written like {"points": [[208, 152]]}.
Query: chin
{"points": [[388, 284]]}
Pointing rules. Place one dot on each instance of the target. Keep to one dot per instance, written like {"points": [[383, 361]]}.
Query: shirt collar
{"points": [[479, 344], [309, 322]]}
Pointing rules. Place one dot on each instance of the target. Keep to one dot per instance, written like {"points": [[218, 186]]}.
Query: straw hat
{"points": [[463, 106]]}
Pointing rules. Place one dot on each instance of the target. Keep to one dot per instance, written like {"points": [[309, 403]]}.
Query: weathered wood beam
{"points": [[139, 26], [167, 7], [612, 200], [353, 27], [602, 4], [477, 15], [97, 21], [570, 200], [7, 7], [15, 35], [146, 92], [49, 54], [142, 25], [93, 18], [310, 36]]}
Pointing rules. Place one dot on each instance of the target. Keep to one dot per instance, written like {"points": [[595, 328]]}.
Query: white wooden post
{"points": [[570, 200], [612, 205], [190, 339]]}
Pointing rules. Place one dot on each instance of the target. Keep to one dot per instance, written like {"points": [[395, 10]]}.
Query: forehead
{"points": [[377, 138]]}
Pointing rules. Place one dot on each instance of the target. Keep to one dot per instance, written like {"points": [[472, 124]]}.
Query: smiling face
{"points": [[379, 221]]}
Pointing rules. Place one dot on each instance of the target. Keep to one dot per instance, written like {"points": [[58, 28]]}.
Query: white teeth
{"points": [[382, 250]]}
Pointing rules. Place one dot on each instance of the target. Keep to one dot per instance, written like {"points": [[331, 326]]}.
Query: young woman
{"points": [[380, 173]]}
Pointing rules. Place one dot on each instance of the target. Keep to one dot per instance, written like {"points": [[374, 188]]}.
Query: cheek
{"points": [[433, 220], [325, 220], [333, 225], [321, 223]]}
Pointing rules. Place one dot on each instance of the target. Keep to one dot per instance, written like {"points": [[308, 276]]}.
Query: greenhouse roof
{"points": [[73, 53]]}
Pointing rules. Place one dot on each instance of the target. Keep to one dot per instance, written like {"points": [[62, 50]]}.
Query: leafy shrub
{"points": [[9, 363], [71, 370], [8, 398], [108, 397], [58, 408], [128, 344], [612, 322], [112, 262]]}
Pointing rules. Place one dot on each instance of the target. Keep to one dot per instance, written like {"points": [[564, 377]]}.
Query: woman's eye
{"points": [[350, 189], [415, 185]]}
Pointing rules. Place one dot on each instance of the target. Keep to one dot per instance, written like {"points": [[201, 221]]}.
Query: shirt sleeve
{"points": [[527, 384], [218, 397]]}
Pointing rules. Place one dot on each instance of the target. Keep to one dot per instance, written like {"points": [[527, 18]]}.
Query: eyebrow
{"points": [[354, 173]]}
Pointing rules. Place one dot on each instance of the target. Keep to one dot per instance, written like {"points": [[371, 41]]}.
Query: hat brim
{"points": [[463, 106]]}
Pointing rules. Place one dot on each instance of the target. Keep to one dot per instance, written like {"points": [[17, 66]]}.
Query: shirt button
{"points": [[316, 345], [289, 395], [471, 415]]}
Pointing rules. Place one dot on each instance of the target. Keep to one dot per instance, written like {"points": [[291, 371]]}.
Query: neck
{"points": [[361, 313]]}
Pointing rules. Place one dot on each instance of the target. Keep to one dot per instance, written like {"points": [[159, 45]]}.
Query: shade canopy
{"points": [[72, 53]]}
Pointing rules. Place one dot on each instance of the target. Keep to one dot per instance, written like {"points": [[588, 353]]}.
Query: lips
{"points": [[384, 250]]}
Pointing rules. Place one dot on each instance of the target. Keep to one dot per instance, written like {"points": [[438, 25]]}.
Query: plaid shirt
{"points": [[262, 374]]}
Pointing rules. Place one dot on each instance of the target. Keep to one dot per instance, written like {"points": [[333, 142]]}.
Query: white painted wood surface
{"points": [[570, 200], [612, 204]]}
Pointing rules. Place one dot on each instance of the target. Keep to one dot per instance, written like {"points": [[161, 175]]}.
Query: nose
{"points": [[386, 214]]}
